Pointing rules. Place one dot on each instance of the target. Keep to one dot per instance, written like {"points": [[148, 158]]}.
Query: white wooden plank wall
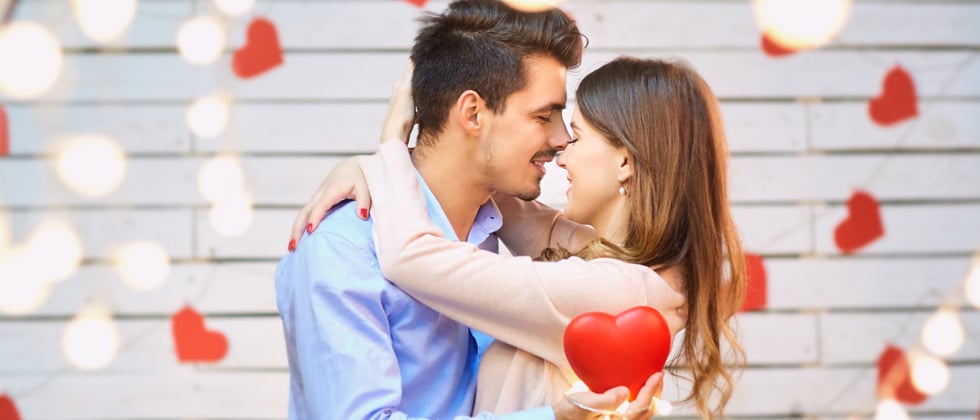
{"points": [[798, 130]]}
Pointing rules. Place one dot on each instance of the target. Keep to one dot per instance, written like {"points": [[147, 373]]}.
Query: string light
{"points": [[234, 7], [801, 24], [143, 265], [231, 216], [54, 251], [92, 165], [533, 5], [942, 334], [207, 117], [891, 410], [22, 290], [31, 57], [91, 340], [104, 20], [200, 40], [930, 375], [221, 178]]}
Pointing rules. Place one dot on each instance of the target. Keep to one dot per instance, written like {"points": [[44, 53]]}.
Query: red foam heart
{"points": [[606, 351], [261, 51], [756, 292], [418, 3], [8, 410], [194, 343], [863, 223], [895, 379], [897, 101], [4, 133], [773, 49]]}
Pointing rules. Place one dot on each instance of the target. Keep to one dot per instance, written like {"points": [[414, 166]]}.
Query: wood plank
{"points": [[774, 229], [940, 126], [771, 339], [909, 229], [865, 283], [861, 337]]}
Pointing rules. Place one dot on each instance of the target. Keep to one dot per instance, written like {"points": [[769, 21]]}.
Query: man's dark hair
{"points": [[480, 45]]}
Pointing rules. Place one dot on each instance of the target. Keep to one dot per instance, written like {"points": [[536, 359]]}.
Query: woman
{"points": [[647, 169]]}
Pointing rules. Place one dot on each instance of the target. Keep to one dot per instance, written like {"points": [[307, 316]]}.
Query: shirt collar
{"points": [[488, 219]]}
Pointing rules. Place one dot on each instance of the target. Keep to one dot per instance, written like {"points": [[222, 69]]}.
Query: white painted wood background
{"points": [[798, 130]]}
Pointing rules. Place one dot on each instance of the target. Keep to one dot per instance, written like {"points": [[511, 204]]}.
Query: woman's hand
{"points": [[345, 181], [401, 109], [591, 406]]}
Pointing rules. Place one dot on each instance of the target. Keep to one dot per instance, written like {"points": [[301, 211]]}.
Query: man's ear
{"points": [[469, 111]]}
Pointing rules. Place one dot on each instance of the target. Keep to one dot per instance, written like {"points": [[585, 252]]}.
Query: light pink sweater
{"points": [[524, 304]]}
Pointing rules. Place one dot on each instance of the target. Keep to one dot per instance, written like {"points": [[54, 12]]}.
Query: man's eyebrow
{"points": [[554, 106]]}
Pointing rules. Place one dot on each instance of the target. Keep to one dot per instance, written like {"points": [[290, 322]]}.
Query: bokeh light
{"points": [[231, 216], [801, 24], [104, 20], [890, 410], [92, 165], [234, 7], [201, 40], [942, 334], [533, 5], [143, 265], [54, 251], [5, 236], [930, 375], [31, 57], [91, 340], [22, 289], [207, 117], [221, 178]]}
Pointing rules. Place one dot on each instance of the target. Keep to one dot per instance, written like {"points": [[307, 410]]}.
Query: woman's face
{"points": [[594, 166]]}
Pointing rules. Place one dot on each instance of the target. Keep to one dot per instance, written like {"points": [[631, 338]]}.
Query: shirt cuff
{"points": [[540, 413]]}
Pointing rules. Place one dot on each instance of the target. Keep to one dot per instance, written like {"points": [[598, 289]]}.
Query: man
{"points": [[489, 85]]}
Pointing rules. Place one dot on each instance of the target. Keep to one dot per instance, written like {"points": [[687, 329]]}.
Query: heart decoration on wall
{"points": [[194, 343], [897, 101], [862, 226], [4, 132], [261, 52], [417, 3], [8, 410], [895, 378], [756, 291], [773, 49], [607, 351]]}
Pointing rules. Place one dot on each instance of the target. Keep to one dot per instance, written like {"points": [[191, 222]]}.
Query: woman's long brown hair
{"points": [[668, 120]]}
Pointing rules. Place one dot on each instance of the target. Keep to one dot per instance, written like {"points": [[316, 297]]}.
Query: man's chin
{"points": [[529, 195]]}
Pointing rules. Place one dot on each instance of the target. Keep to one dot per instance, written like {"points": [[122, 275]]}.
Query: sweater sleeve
{"points": [[519, 301]]}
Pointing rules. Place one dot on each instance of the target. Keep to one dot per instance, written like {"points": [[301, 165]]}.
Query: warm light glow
{"points": [[801, 24], [91, 340], [22, 290], [201, 40], [143, 265], [972, 285], [221, 179], [664, 407], [31, 59], [533, 5], [5, 236], [104, 20], [207, 117], [54, 251], [891, 410], [929, 374], [942, 334], [92, 165], [231, 217], [234, 7]]}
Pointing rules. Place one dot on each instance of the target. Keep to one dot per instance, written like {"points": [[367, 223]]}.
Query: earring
{"points": [[622, 190]]}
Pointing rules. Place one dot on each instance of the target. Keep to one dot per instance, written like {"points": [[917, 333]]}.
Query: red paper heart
{"points": [[757, 290], [4, 133], [8, 410], [862, 225], [195, 343], [418, 3], [897, 101], [261, 51], [606, 351], [895, 379], [773, 49]]}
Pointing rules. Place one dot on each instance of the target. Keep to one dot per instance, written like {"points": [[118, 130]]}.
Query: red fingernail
{"points": [[292, 245], [309, 228], [364, 214]]}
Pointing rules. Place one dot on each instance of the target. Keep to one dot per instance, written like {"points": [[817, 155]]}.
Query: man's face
{"points": [[528, 132]]}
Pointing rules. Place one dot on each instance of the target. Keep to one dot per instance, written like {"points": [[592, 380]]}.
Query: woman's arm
{"points": [[524, 303]]}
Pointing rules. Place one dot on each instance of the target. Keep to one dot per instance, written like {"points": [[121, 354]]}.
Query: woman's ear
{"points": [[468, 111], [625, 171]]}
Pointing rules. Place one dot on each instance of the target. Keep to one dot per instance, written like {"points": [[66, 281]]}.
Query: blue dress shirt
{"points": [[361, 348]]}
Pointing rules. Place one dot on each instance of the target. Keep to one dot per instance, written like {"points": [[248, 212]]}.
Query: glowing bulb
{"points": [[221, 179], [143, 265], [104, 20], [92, 165], [943, 333], [91, 340], [234, 7], [208, 116], [22, 290], [929, 374], [54, 251], [533, 5], [972, 285], [890, 410], [31, 59], [231, 217], [801, 24], [200, 40]]}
